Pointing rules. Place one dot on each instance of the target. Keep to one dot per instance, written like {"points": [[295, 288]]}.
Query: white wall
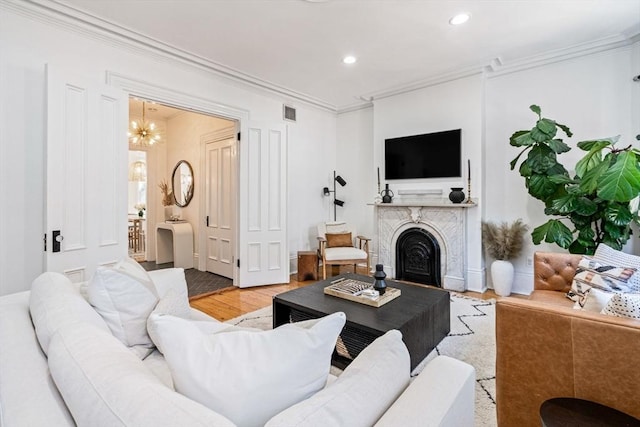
{"points": [[28, 43], [312, 158], [354, 159], [591, 94]]}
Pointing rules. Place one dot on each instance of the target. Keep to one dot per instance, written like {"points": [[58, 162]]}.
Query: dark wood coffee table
{"points": [[420, 313]]}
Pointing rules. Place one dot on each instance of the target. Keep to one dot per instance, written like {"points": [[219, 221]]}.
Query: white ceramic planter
{"points": [[502, 273]]}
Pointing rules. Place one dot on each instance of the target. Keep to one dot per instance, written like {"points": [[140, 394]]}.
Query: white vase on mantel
{"points": [[502, 274]]}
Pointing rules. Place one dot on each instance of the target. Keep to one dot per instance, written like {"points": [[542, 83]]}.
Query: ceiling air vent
{"points": [[288, 113]]}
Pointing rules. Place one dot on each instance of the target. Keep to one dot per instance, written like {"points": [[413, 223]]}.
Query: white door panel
{"points": [[221, 189], [263, 207], [85, 176]]}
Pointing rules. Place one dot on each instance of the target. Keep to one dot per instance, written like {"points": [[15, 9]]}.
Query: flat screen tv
{"points": [[430, 155]]}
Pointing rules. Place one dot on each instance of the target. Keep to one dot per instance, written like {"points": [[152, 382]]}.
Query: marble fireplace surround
{"points": [[446, 221]]}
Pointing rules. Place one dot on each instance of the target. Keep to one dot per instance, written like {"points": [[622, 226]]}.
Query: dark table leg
{"points": [[280, 314]]}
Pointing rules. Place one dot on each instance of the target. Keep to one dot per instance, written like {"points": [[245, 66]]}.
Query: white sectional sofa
{"points": [[90, 378]]}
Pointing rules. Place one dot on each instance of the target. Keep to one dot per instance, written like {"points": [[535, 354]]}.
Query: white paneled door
{"points": [[263, 207], [221, 201], [85, 177]]}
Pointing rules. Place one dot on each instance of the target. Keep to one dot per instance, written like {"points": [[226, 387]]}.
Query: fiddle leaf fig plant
{"points": [[596, 200]]}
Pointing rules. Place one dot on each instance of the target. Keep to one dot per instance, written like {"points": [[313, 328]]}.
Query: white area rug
{"points": [[472, 340]]}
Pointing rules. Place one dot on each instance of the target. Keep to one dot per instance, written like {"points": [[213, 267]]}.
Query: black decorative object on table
{"points": [[380, 285], [387, 195], [456, 195]]}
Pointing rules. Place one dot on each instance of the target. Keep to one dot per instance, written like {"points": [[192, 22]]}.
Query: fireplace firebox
{"points": [[418, 257]]}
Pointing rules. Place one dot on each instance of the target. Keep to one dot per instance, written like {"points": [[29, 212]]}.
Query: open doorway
{"points": [[182, 136]]}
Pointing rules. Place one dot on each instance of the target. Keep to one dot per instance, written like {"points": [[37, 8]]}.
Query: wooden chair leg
{"points": [[324, 269]]}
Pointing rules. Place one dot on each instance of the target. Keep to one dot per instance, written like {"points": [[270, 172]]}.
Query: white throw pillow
{"points": [[623, 305], [171, 304], [610, 256], [55, 302], [596, 300], [124, 296], [364, 391], [595, 273], [171, 278], [248, 376]]}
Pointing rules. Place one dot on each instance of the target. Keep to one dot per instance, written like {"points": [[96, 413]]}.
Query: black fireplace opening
{"points": [[418, 257]]}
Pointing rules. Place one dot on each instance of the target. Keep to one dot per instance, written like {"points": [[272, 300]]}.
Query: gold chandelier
{"points": [[143, 133]]}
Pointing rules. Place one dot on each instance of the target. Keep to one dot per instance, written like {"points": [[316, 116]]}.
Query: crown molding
{"points": [[355, 107], [64, 16], [583, 49], [423, 83]]}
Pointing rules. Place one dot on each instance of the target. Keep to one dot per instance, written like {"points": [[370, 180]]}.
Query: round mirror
{"points": [[182, 183]]}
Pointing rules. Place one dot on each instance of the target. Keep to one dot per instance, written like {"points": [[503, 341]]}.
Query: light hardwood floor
{"points": [[236, 302]]}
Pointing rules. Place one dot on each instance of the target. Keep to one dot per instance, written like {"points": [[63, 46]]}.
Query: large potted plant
{"points": [[503, 242], [595, 199]]}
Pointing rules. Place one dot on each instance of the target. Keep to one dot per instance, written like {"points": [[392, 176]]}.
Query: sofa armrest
{"points": [[554, 271], [442, 395], [544, 350], [28, 396]]}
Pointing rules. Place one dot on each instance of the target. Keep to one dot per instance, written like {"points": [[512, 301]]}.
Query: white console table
{"points": [[174, 242]]}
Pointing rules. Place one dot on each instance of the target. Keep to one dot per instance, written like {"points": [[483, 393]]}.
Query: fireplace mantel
{"points": [[440, 203], [445, 220]]}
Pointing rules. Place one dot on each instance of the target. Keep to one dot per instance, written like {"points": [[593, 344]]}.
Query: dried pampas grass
{"points": [[503, 241], [167, 193]]}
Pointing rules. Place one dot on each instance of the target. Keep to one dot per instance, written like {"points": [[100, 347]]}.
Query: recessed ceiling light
{"points": [[349, 59], [461, 18]]}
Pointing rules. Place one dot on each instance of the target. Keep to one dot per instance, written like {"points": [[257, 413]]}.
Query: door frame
{"points": [[217, 135], [173, 98]]}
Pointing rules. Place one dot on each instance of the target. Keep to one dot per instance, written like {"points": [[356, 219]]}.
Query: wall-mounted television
{"points": [[430, 155]]}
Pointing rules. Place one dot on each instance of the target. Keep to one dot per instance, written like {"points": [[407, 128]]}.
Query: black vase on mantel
{"points": [[387, 195], [456, 195], [380, 285]]}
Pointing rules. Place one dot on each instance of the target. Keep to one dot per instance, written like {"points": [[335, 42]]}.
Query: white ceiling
{"points": [[299, 45]]}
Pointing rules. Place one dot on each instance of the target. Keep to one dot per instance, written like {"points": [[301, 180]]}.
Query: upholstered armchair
{"points": [[336, 246]]}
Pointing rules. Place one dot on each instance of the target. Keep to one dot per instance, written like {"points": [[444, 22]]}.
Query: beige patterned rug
{"points": [[472, 340]]}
